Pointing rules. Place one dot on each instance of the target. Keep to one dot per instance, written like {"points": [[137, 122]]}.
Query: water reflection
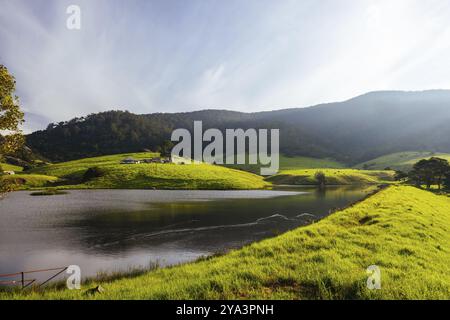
{"points": [[115, 229]]}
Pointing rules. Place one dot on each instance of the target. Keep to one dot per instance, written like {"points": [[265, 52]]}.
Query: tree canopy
{"points": [[10, 114], [11, 117], [429, 172], [447, 181]]}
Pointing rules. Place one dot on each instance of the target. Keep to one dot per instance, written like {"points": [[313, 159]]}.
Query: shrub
{"points": [[93, 173]]}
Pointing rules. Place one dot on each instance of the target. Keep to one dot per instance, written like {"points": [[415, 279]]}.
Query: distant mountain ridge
{"points": [[352, 131]]}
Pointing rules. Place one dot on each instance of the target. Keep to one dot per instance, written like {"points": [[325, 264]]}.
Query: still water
{"points": [[112, 230]]}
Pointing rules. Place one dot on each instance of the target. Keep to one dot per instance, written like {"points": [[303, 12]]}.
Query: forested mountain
{"points": [[356, 130]]}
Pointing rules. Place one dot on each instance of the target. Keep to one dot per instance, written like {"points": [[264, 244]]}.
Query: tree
{"points": [[320, 178], [441, 168], [166, 149], [428, 172], [11, 117], [447, 181], [400, 175]]}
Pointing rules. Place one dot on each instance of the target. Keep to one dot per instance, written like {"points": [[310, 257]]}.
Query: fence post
{"points": [[23, 280]]}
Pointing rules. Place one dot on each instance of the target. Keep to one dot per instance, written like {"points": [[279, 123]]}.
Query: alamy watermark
{"points": [[241, 147], [73, 21], [74, 280], [374, 279]]}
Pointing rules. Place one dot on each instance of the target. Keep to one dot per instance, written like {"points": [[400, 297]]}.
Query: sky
{"points": [[247, 55]]}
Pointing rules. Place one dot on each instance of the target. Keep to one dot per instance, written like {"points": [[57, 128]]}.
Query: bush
{"points": [[92, 173]]}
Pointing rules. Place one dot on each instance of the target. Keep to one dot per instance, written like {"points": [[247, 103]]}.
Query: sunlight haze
{"points": [[150, 56]]}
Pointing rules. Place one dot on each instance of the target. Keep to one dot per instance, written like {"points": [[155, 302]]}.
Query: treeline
{"points": [[353, 131], [120, 131], [427, 172]]}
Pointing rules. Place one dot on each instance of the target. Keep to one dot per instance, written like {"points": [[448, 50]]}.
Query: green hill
{"points": [[333, 177], [25, 181], [400, 161], [402, 230], [112, 174], [10, 167], [292, 163], [351, 131]]}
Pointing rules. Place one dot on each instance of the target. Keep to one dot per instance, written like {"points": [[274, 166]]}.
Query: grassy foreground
{"points": [[403, 230], [144, 176], [400, 161], [333, 177]]}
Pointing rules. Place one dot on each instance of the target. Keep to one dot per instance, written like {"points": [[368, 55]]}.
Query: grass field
{"points": [[25, 181], [10, 167], [400, 161], [292, 163], [403, 230], [333, 177], [144, 176]]}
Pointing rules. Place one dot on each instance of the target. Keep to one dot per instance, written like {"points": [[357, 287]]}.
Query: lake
{"points": [[112, 230]]}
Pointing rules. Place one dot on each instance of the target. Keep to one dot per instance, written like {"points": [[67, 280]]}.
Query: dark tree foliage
{"points": [[120, 132], [11, 117], [429, 172], [93, 173], [447, 181], [400, 175]]}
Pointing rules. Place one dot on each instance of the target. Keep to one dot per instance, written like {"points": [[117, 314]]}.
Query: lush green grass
{"points": [[333, 177], [10, 167], [403, 230], [77, 168], [144, 176], [400, 161], [292, 163], [26, 181]]}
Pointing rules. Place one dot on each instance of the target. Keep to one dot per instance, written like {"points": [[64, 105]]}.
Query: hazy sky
{"points": [[180, 55]]}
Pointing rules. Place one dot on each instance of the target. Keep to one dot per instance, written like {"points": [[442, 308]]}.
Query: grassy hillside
{"points": [[25, 181], [9, 167], [400, 161], [402, 230], [333, 177], [292, 163], [144, 176]]}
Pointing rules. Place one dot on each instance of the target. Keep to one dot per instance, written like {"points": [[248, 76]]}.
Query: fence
{"points": [[19, 277]]}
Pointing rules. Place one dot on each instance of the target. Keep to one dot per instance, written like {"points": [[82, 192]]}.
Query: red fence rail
{"points": [[28, 282]]}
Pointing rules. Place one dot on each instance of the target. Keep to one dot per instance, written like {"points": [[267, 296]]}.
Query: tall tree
{"points": [[441, 168], [11, 117], [429, 172]]}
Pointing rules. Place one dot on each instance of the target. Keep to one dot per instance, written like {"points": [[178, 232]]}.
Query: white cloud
{"points": [[154, 56]]}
